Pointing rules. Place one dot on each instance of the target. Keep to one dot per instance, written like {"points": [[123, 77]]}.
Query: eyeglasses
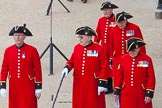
{"points": [[81, 37]]}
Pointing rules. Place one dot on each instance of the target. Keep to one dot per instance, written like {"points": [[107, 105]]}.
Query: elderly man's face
{"points": [[122, 24], [19, 38], [107, 12], [84, 40], [134, 53]]}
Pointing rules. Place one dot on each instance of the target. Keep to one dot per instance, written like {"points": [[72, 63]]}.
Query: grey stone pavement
{"points": [[64, 24]]}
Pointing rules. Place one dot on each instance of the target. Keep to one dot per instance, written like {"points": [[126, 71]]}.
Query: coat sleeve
{"points": [[111, 44], [118, 77], [4, 71], [37, 69], [104, 74], [4, 68], [151, 77], [98, 37], [70, 62]]}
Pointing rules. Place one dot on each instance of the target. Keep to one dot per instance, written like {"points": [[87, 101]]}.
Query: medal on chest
{"points": [[142, 64], [23, 55], [112, 24], [130, 33], [92, 53]]}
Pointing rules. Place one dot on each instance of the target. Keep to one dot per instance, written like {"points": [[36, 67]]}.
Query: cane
{"points": [[58, 91]]}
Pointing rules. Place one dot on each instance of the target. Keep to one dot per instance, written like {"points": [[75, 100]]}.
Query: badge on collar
{"points": [[142, 64], [130, 33], [93, 53], [23, 55]]}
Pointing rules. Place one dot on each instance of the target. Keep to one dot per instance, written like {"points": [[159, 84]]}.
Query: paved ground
{"points": [[33, 13]]}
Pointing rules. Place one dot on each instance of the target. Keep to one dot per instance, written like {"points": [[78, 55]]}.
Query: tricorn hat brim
{"points": [[20, 29], [134, 43], [86, 31], [108, 5], [122, 16]]}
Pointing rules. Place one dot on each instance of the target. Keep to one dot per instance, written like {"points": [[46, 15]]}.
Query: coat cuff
{"points": [[38, 85], [102, 83], [3, 85], [149, 93], [67, 68], [117, 91]]}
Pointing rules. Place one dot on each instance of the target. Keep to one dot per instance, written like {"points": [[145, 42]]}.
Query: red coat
{"points": [[23, 68], [89, 65], [103, 30], [135, 76], [118, 41]]}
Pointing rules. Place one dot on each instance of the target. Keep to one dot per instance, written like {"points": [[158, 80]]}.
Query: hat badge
{"points": [[125, 18], [136, 46], [24, 30], [86, 33]]}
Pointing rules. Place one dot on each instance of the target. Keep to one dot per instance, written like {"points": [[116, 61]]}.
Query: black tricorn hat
{"points": [[134, 43], [122, 16], [86, 31], [108, 5], [20, 29]]}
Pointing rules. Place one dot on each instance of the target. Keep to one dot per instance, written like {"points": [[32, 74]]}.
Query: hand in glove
{"points": [[64, 72], [101, 89], [38, 93], [3, 92]]}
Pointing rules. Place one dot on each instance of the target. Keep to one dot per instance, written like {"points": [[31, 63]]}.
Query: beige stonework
{"points": [[64, 24]]}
